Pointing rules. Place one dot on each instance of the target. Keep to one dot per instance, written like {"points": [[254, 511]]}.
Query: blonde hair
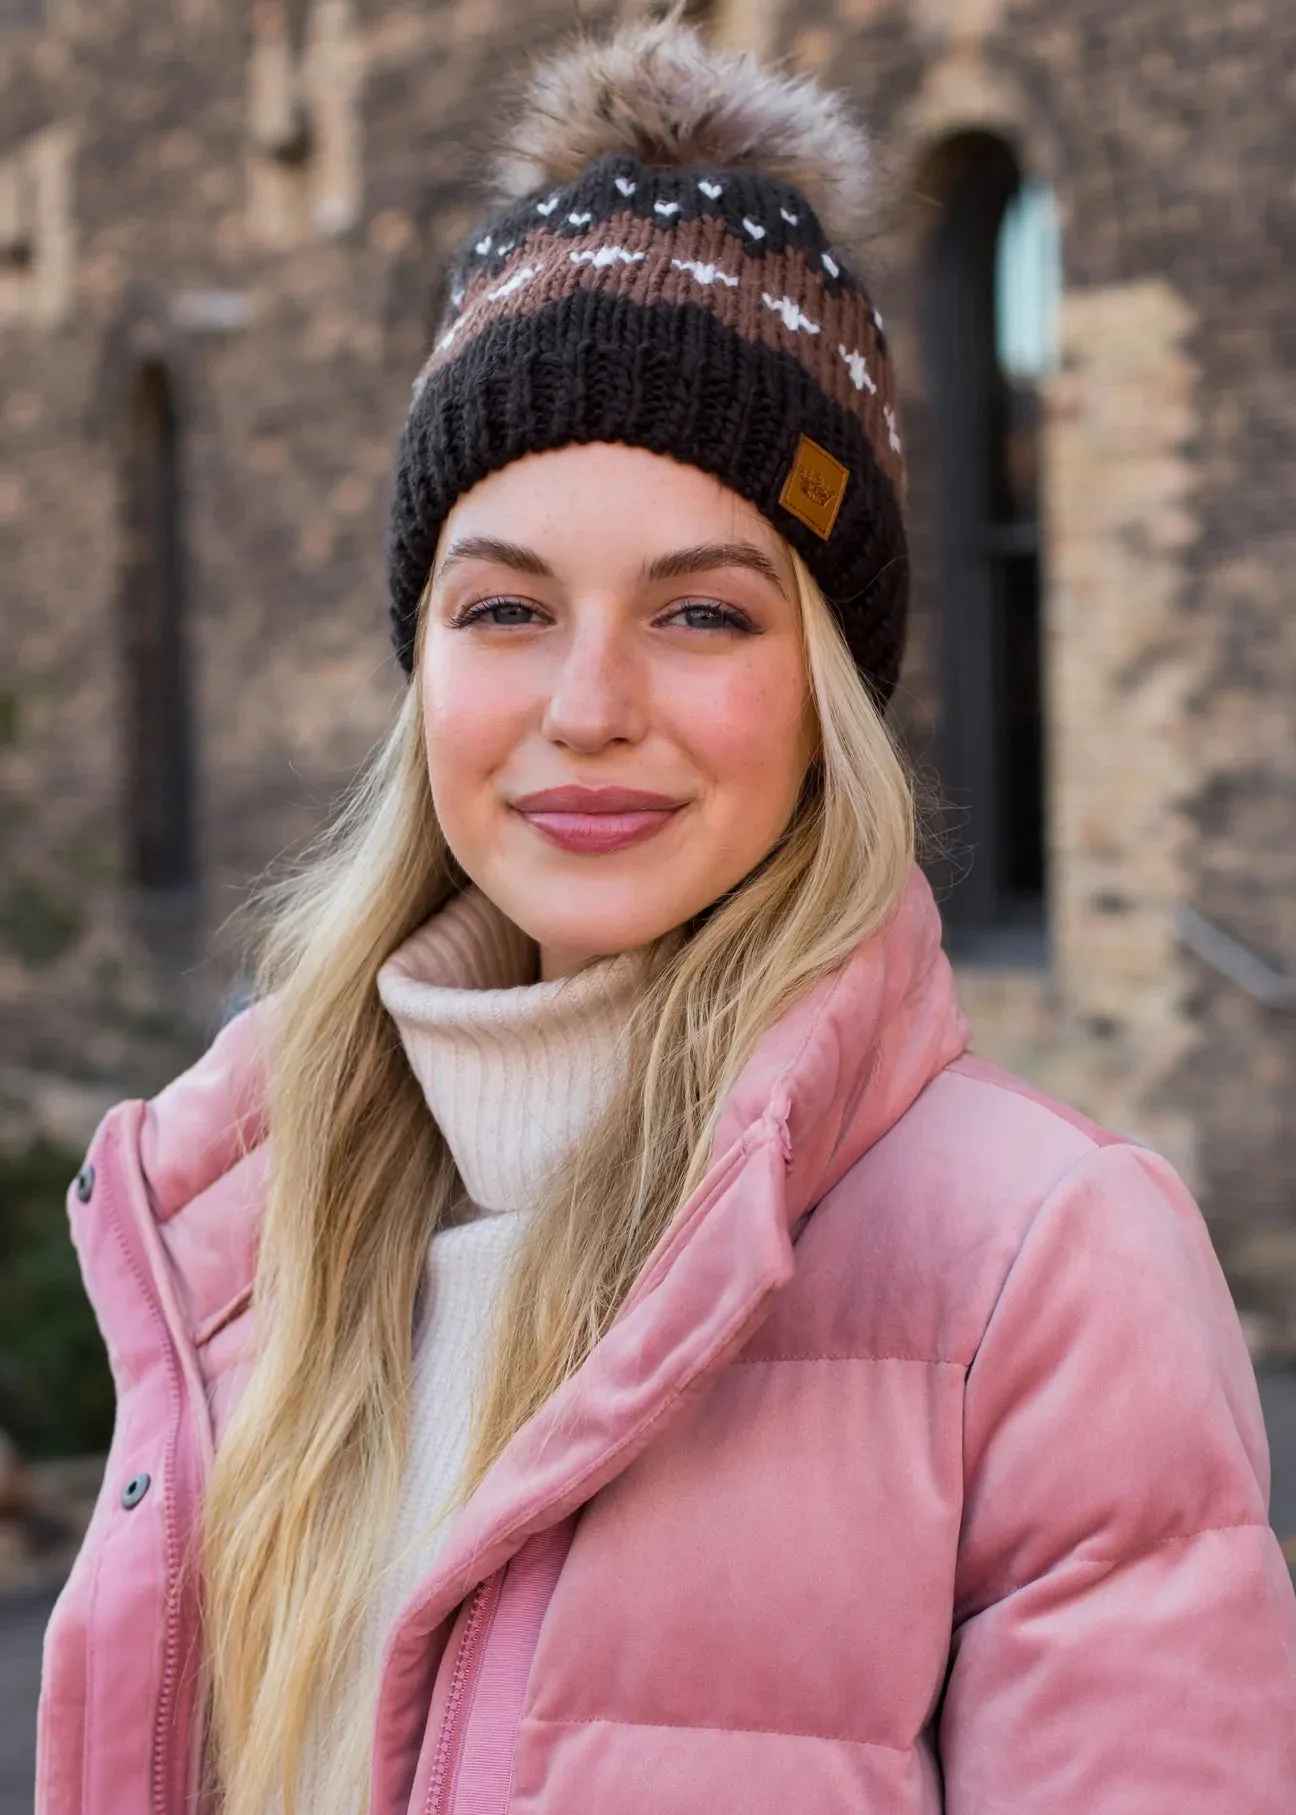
{"points": [[305, 1483]]}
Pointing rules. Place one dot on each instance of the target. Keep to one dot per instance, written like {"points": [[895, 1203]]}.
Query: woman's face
{"points": [[615, 694]]}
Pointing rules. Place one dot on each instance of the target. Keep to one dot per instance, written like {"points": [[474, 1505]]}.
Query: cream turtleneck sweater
{"points": [[513, 1070]]}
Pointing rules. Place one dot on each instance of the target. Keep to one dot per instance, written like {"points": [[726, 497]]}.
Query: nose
{"points": [[598, 692]]}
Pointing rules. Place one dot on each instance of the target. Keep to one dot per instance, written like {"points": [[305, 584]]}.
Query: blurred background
{"points": [[223, 232]]}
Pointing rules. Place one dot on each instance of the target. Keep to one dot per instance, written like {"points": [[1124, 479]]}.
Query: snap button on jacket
{"points": [[956, 1503]]}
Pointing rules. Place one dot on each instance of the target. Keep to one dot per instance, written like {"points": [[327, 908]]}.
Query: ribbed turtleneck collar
{"points": [[513, 1070]]}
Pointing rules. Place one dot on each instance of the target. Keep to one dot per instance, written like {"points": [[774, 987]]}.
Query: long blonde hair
{"points": [[305, 1483]]}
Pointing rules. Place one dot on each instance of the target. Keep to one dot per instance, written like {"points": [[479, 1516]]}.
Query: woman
{"points": [[674, 1375]]}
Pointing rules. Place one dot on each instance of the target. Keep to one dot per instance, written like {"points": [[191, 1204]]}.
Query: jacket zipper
{"points": [[171, 1645], [173, 1590], [454, 1719]]}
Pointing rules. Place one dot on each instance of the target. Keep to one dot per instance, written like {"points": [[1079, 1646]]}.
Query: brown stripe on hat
{"points": [[780, 300]]}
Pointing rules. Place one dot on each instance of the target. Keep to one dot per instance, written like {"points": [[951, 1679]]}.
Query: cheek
{"points": [[471, 721], [747, 730]]}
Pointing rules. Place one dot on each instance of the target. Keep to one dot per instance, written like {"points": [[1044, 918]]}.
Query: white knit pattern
{"points": [[512, 1070]]}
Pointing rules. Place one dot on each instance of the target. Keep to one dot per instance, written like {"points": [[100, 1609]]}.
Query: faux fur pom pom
{"points": [[658, 92]]}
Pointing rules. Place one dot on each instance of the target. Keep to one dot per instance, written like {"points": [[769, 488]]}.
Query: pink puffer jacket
{"points": [[923, 1470]]}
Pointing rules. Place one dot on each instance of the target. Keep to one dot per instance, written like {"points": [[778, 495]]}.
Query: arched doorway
{"points": [[157, 735], [990, 284]]}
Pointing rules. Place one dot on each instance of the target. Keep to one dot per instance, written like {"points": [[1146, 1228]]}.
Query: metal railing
{"points": [[1228, 956]]}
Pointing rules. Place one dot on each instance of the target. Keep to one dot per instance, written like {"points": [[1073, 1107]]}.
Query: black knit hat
{"points": [[687, 303]]}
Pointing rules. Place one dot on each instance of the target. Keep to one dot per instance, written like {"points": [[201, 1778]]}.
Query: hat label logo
{"points": [[814, 489]]}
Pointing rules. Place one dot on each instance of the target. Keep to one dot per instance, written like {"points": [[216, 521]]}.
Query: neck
{"points": [[557, 961]]}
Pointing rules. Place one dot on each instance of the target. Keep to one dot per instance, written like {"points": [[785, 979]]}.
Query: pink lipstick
{"points": [[594, 821]]}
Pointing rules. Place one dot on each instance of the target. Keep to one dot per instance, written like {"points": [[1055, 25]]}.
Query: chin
{"points": [[594, 919]]}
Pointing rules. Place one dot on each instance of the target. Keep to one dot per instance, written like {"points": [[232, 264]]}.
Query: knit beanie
{"points": [[671, 265]]}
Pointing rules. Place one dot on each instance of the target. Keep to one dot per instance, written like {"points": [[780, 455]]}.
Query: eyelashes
{"points": [[717, 616], [494, 611], [504, 612]]}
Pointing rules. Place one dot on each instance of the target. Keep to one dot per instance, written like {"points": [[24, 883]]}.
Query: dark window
{"points": [[158, 759], [989, 323]]}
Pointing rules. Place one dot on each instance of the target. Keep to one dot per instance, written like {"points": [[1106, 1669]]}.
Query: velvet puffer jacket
{"points": [[922, 1471]]}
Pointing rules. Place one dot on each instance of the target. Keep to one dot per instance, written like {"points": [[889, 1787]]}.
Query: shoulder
{"points": [[1006, 1142], [206, 1120], [193, 1160], [980, 1175], [166, 1211]]}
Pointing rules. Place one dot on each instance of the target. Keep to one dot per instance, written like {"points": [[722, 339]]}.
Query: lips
{"points": [[594, 821]]}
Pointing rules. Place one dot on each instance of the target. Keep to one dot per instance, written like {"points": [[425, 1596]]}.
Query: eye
{"points": [[708, 614], [507, 614]]}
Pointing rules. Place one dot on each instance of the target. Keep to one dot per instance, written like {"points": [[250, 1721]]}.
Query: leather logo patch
{"points": [[815, 487]]}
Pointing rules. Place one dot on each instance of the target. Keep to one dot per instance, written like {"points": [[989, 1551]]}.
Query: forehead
{"points": [[607, 501]]}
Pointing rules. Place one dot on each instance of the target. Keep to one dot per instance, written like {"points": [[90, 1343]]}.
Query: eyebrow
{"points": [[676, 564], [492, 548], [683, 561]]}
